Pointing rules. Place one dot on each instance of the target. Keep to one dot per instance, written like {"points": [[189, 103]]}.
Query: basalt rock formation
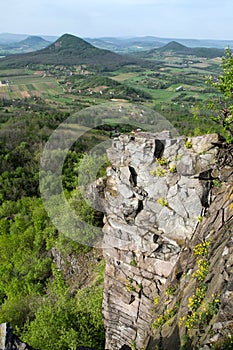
{"points": [[168, 243], [9, 341]]}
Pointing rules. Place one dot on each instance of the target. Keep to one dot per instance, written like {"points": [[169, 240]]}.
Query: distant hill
{"points": [[31, 43], [123, 45], [137, 44], [175, 48], [34, 42], [68, 50], [9, 38], [127, 44]]}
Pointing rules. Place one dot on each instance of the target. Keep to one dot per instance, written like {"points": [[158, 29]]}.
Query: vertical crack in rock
{"points": [[132, 299], [133, 176], [206, 178], [140, 207], [159, 149]]}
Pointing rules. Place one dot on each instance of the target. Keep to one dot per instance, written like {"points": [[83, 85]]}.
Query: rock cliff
{"points": [[168, 243], [9, 341]]}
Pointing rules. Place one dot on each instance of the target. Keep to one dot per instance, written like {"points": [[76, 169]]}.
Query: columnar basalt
{"points": [[197, 298], [157, 191]]}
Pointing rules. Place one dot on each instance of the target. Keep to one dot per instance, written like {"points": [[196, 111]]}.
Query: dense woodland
{"points": [[44, 305], [35, 297]]}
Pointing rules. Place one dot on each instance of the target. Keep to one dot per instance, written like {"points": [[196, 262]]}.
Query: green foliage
{"points": [[222, 107], [63, 322], [159, 171], [133, 262], [20, 150], [196, 299], [225, 81], [162, 201], [203, 269], [171, 290], [188, 144], [133, 345], [200, 309], [25, 263], [34, 296], [167, 315], [172, 169], [202, 248], [130, 288], [132, 285], [91, 167], [201, 312], [216, 183], [89, 308], [224, 343], [161, 161]]}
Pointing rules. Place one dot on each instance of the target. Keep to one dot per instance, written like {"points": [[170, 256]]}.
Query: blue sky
{"points": [[200, 19]]}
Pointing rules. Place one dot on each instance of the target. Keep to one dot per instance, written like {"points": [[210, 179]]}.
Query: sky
{"points": [[197, 19]]}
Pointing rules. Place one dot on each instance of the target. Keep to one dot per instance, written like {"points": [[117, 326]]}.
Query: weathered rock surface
{"points": [[156, 194], [9, 341], [77, 268], [210, 318]]}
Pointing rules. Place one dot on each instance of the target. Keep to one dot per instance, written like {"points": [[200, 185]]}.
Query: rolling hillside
{"points": [[137, 44], [34, 42], [123, 45], [175, 48], [31, 43], [68, 50], [9, 38]]}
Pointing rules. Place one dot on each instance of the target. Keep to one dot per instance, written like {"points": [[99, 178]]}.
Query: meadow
{"points": [[19, 83]]}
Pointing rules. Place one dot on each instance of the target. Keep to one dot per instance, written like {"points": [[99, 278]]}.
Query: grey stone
{"points": [[125, 190], [9, 341], [187, 165], [217, 326], [150, 243]]}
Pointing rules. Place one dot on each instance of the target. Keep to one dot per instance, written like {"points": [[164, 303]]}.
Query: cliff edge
{"points": [[168, 243]]}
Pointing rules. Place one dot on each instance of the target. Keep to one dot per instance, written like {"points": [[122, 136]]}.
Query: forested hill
{"points": [[31, 43], [67, 50], [176, 48]]}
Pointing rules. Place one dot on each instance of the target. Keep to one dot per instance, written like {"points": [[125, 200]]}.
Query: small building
{"points": [[180, 88]]}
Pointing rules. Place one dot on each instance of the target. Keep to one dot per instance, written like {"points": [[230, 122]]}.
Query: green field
{"points": [[21, 84], [69, 90], [160, 83]]}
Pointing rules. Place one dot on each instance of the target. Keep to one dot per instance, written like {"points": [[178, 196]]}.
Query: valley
{"points": [[170, 79], [51, 283]]}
